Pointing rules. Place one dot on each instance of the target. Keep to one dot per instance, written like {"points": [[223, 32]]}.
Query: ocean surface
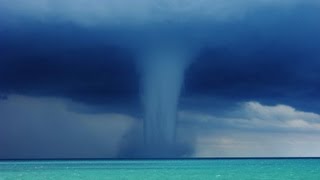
{"points": [[234, 169]]}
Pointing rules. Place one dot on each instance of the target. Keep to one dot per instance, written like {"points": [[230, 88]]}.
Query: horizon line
{"points": [[141, 159]]}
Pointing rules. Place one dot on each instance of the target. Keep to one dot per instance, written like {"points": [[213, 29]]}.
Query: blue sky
{"points": [[70, 84]]}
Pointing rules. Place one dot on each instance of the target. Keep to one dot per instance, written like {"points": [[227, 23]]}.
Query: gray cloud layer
{"points": [[50, 128], [124, 12]]}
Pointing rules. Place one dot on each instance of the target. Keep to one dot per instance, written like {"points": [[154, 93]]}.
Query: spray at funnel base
{"points": [[162, 81]]}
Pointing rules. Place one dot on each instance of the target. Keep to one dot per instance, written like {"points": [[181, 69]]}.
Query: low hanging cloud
{"points": [[50, 128], [47, 127], [254, 115]]}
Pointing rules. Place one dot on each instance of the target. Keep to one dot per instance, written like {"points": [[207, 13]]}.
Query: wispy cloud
{"points": [[254, 115], [257, 115]]}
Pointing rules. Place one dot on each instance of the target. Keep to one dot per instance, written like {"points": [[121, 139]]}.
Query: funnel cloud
{"points": [[163, 74]]}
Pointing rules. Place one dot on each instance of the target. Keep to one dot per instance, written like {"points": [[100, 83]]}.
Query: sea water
{"points": [[233, 169]]}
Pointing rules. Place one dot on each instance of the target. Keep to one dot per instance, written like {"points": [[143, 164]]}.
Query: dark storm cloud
{"points": [[270, 52], [262, 50], [65, 61]]}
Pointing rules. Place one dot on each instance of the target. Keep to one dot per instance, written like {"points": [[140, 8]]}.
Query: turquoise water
{"points": [[235, 169]]}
